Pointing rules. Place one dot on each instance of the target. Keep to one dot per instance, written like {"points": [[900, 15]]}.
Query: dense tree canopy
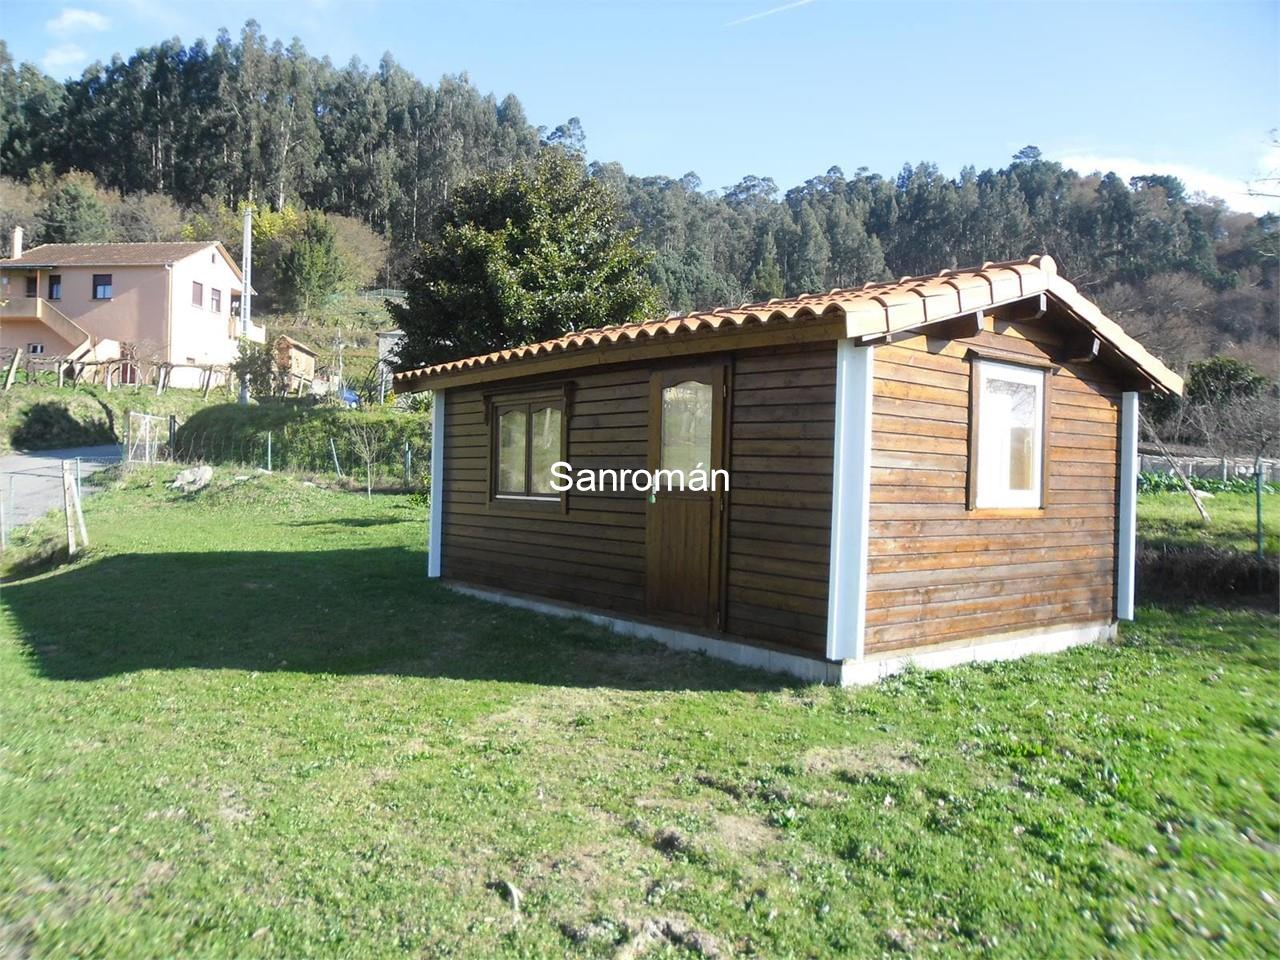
{"points": [[182, 136], [521, 256]]}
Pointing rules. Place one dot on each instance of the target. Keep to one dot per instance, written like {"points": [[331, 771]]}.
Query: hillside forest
{"points": [[348, 168]]}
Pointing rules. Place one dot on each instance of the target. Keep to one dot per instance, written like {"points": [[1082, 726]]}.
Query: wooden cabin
{"points": [[295, 364], [938, 469]]}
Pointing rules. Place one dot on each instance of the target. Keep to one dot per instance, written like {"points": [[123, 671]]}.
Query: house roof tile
{"points": [[873, 310], [113, 254]]}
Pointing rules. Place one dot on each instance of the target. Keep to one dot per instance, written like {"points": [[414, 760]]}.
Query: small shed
{"points": [[937, 469], [295, 362]]}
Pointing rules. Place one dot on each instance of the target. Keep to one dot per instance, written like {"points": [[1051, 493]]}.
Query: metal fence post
{"points": [[334, 450], [408, 464], [268, 451], [1257, 500]]}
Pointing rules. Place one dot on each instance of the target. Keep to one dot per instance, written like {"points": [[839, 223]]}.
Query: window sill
{"points": [[1005, 513], [516, 505]]}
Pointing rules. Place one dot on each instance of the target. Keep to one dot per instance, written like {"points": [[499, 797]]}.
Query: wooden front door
{"points": [[686, 432]]}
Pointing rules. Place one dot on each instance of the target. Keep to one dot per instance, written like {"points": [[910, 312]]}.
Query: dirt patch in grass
{"points": [[744, 834], [231, 809], [859, 760]]}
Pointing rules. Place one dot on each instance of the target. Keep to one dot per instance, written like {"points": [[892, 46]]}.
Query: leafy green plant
{"points": [[1149, 482]]}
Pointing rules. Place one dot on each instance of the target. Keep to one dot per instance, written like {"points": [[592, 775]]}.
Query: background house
{"points": [[157, 303], [295, 362]]}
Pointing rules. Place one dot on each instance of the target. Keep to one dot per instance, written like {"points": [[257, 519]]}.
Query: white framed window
{"points": [[1008, 424], [35, 349]]}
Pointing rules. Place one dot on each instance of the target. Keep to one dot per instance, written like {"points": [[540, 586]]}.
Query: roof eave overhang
{"points": [[867, 316]]}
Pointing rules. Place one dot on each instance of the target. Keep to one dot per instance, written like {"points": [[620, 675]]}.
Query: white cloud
{"points": [[64, 55], [1234, 191], [73, 20]]}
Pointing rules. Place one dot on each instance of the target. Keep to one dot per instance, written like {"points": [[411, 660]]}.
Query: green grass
{"points": [[1170, 519], [245, 726]]}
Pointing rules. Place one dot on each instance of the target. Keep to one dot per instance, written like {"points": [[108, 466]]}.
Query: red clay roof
{"points": [[873, 310], [113, 254]]}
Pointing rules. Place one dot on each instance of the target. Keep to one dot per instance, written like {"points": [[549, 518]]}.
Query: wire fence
{"points": [[365, 454], [29, 492]]}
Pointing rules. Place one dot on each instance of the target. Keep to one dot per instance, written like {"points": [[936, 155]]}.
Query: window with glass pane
{"points": [[102, 286], [512, 436], [686, 427], [1010, 435], [55, 286], [544, 448]]}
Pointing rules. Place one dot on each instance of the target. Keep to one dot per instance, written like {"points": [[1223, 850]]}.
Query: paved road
{"points": [[31, 483]]}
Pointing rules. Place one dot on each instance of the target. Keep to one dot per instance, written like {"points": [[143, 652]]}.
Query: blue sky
{"points": [[788, 88]]}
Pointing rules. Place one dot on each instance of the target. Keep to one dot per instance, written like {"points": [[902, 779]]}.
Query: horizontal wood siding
{"points": [[592, 555], [938, 572], [782, 424]]}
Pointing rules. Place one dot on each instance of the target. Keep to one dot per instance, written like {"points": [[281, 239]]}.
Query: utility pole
{"points": [[338, 344], [246, 268], [246, 272]]}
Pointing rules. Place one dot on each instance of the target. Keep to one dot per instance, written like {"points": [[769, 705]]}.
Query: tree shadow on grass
{"points": [[366, 611], [50, 424]]}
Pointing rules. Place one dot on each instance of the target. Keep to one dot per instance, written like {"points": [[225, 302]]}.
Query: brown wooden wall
{"points": [[939, 572], [782, 425], [781, 422], [593, 554]]}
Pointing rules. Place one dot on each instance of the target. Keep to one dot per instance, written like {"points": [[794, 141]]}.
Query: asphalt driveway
{"points": [[31, 483]]}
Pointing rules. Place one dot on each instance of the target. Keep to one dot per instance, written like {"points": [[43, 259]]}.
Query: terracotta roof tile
{"points": [[114, 255], [872, 310]]}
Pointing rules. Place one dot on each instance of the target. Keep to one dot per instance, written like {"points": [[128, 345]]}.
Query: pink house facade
{"points": [[156, 303]]}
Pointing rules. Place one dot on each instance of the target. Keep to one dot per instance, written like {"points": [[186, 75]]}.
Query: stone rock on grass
{"points": [[193, 479]]}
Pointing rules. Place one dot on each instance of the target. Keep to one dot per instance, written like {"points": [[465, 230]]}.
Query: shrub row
{"points": [[1169, 483], [305, 438]]}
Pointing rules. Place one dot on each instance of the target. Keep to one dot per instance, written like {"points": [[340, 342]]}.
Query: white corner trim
{"points": [[1127, 540], [437, 484], [1007, 647], [850, 502]]}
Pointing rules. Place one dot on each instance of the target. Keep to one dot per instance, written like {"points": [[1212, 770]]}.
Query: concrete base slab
{"points": [[743, 654], [846, 673], [1007, 646]]}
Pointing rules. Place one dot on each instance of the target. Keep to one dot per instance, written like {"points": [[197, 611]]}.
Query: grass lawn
{"points": [[1170, 519], [246, 726]]}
